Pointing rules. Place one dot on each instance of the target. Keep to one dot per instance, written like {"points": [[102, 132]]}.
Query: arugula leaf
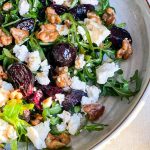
{"points": [[94, 127], [11, 112], [118, 86]]}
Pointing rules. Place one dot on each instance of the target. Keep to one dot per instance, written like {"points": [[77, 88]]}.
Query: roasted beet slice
{"points": [[64, 54], [26, 24], [36, 98], [80, 11], [118, 35], [72, 98], [50, 90], [22, 78], [60, 9]]}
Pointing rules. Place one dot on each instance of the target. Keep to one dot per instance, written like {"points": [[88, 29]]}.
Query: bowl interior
{"points": [[135, 14]]}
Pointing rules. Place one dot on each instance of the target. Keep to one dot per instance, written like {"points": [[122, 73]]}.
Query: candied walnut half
{"points": [[126, 51], [109, 16], [37, 119], [7, 6], [56, 142], [52, 16], [94, 17], [3, 75], [19, 35], [94, 111], [48, 33], [5, 39], [16, 94]]}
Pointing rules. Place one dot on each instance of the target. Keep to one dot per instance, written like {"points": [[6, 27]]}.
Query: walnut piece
{"points": [[56, 142], [94, 17], [37, 119], [3, 75], [63, 79], [109, 16], [7, 6], [48, 33], [126, 51], [94, 111], [5, 39], [16, 94], [19, 35], [52, 16]]}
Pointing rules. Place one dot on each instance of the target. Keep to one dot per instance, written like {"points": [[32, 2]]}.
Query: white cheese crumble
{"points": [[24, 7], [45, 67], [62, 29], [78, 84], [61, 127], [4, 96], [21, 52], [92, 2], [60, 97], [7, 132], [65, 116], [42, 78], [74, 123], [97, 32], [82, 32], [34, 61], [105, 71], [59, 2], [37, 134], [7, 86], [79, 62]]}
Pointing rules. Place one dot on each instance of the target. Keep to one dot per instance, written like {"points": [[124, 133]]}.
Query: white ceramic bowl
{"points": [[136, 14]]}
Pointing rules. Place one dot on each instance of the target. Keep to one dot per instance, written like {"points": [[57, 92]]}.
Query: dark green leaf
{"points": [[94, 127]]}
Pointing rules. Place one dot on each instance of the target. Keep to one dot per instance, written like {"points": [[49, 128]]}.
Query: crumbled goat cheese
{"points": [[45, 67], [37, 134], [59, 2], [82, 32], [62, 29], [61, 127], [74, 123], [7, 132], [24, 7], [77, 84], [97, 32], [79, 62], [42, 78], [87, 100], [21, 52], [65, 116], [7, 86], [105, 71], [92, 2], [34, 61], [4, 96], [47, 102], [60, 97], [93, 92]]}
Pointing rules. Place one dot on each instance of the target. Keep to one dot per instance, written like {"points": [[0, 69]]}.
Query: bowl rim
{"points": [[134, 111]]}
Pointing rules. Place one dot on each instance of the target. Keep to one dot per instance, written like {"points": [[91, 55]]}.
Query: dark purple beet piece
{"points": [[27, 24], [118, 35], [80, 11], [73, 98], [60, 9], [64, 54], [22, 78]]}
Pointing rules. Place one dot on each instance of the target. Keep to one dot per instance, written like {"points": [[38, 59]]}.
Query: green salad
{"points": [[58, 59]]}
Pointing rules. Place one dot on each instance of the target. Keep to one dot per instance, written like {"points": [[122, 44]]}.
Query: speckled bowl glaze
{"points": [[136, 14]]}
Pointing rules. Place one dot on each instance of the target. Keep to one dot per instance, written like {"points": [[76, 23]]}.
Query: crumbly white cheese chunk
{"points": [[62, 29], [74, 123], [42, 78], [59, 2], [34, 61], [21, 52], [61, 127], [105, 71], [60, 97], [82, 32], [45, 67], [65, 116], [7, 132], [77, 84], [79, 62], [92, 2], [24, 7], [37, 134], [98, 32], [7, 86]]}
